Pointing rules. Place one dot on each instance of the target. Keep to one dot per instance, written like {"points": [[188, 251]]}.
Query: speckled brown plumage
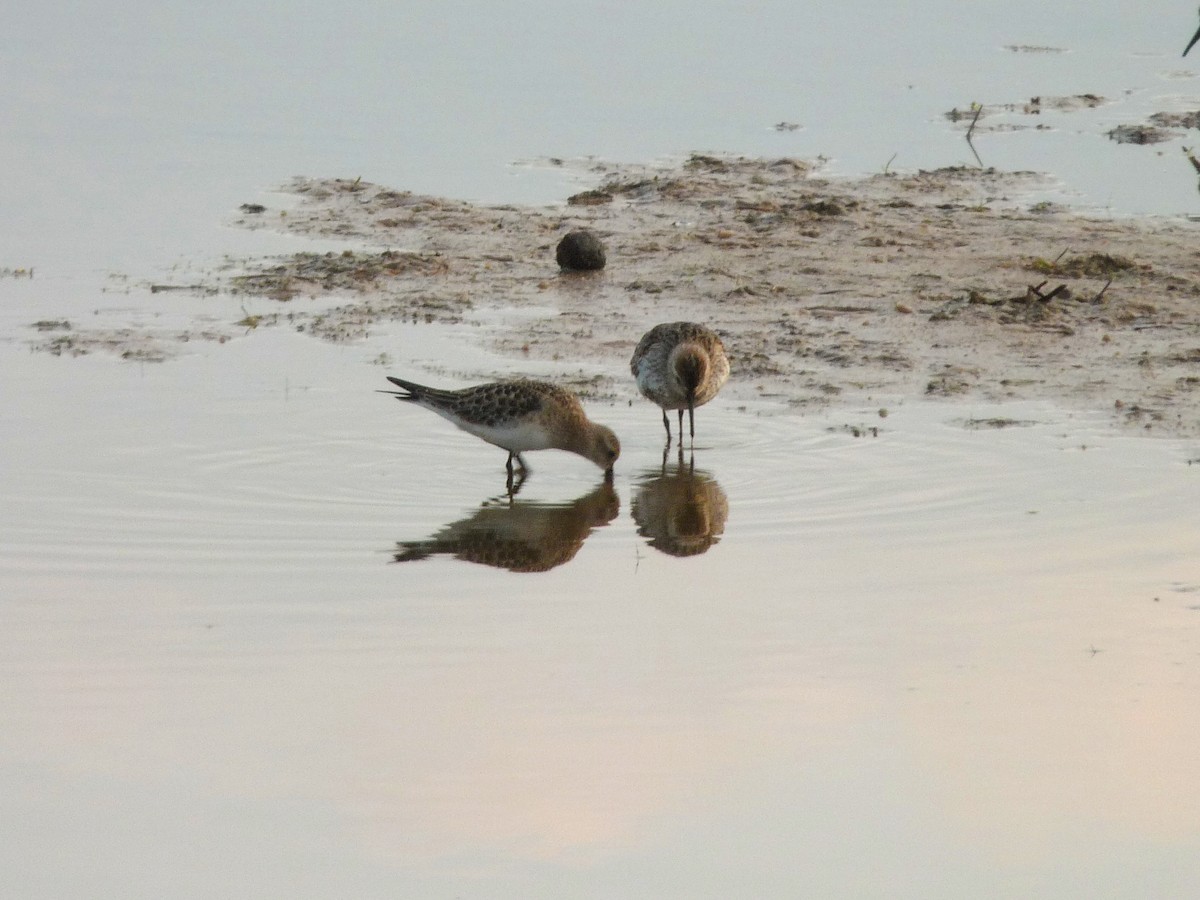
{"points": [[490, 405], [679, 365], [519, 415]]}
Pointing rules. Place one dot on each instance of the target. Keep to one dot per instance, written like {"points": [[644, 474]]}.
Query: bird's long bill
{"points": [[691, 416], [1192, 42]]}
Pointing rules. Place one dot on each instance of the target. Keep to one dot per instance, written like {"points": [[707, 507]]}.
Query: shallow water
{"points": [[831, 654], [931, 660]]}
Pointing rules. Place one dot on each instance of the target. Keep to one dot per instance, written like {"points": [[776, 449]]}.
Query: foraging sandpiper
{"points": [[518, 416]]}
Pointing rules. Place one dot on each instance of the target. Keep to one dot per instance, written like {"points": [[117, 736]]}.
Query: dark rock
{"points": [[580, 250]]}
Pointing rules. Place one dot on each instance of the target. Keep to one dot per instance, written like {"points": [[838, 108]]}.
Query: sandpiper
{"points": [[517, 416], [680, 365]]}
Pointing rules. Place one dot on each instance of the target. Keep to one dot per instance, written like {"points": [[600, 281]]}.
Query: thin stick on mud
{"points": [[971, 130], [1191, 158], [1036, 291]]}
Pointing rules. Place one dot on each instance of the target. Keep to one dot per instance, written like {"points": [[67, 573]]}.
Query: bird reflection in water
{"points": [[519, 535], [681, 511]]}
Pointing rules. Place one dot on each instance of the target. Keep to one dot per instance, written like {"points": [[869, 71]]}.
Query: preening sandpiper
{"points": [[680, 365], [517, 416]]}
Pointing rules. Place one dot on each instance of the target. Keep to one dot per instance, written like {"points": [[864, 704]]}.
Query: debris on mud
{"points": [[327, 273], [1028, 48], [1160, 127], [1140, 134], [1034, 106], [1176, 120], [131, 343]]}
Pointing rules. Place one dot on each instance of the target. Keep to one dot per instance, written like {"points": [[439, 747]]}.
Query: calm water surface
{"points": [[935, 661], [907, 664]]}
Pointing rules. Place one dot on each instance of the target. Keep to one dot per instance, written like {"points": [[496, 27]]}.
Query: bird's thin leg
{"points": [[667, 425], [516, 474], [514, 485]]}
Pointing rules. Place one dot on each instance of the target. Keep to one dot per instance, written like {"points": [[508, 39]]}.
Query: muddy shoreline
{"points": [[934, 283]]}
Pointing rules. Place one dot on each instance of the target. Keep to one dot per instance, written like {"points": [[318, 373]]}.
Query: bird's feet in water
{"points": [[679, 456], [516, 474]]}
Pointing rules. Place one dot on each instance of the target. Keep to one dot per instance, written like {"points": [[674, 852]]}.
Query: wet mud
{"points": [[949, 282]]}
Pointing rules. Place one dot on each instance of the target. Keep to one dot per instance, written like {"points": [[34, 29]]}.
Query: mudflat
{"points": [[949, 282]]}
